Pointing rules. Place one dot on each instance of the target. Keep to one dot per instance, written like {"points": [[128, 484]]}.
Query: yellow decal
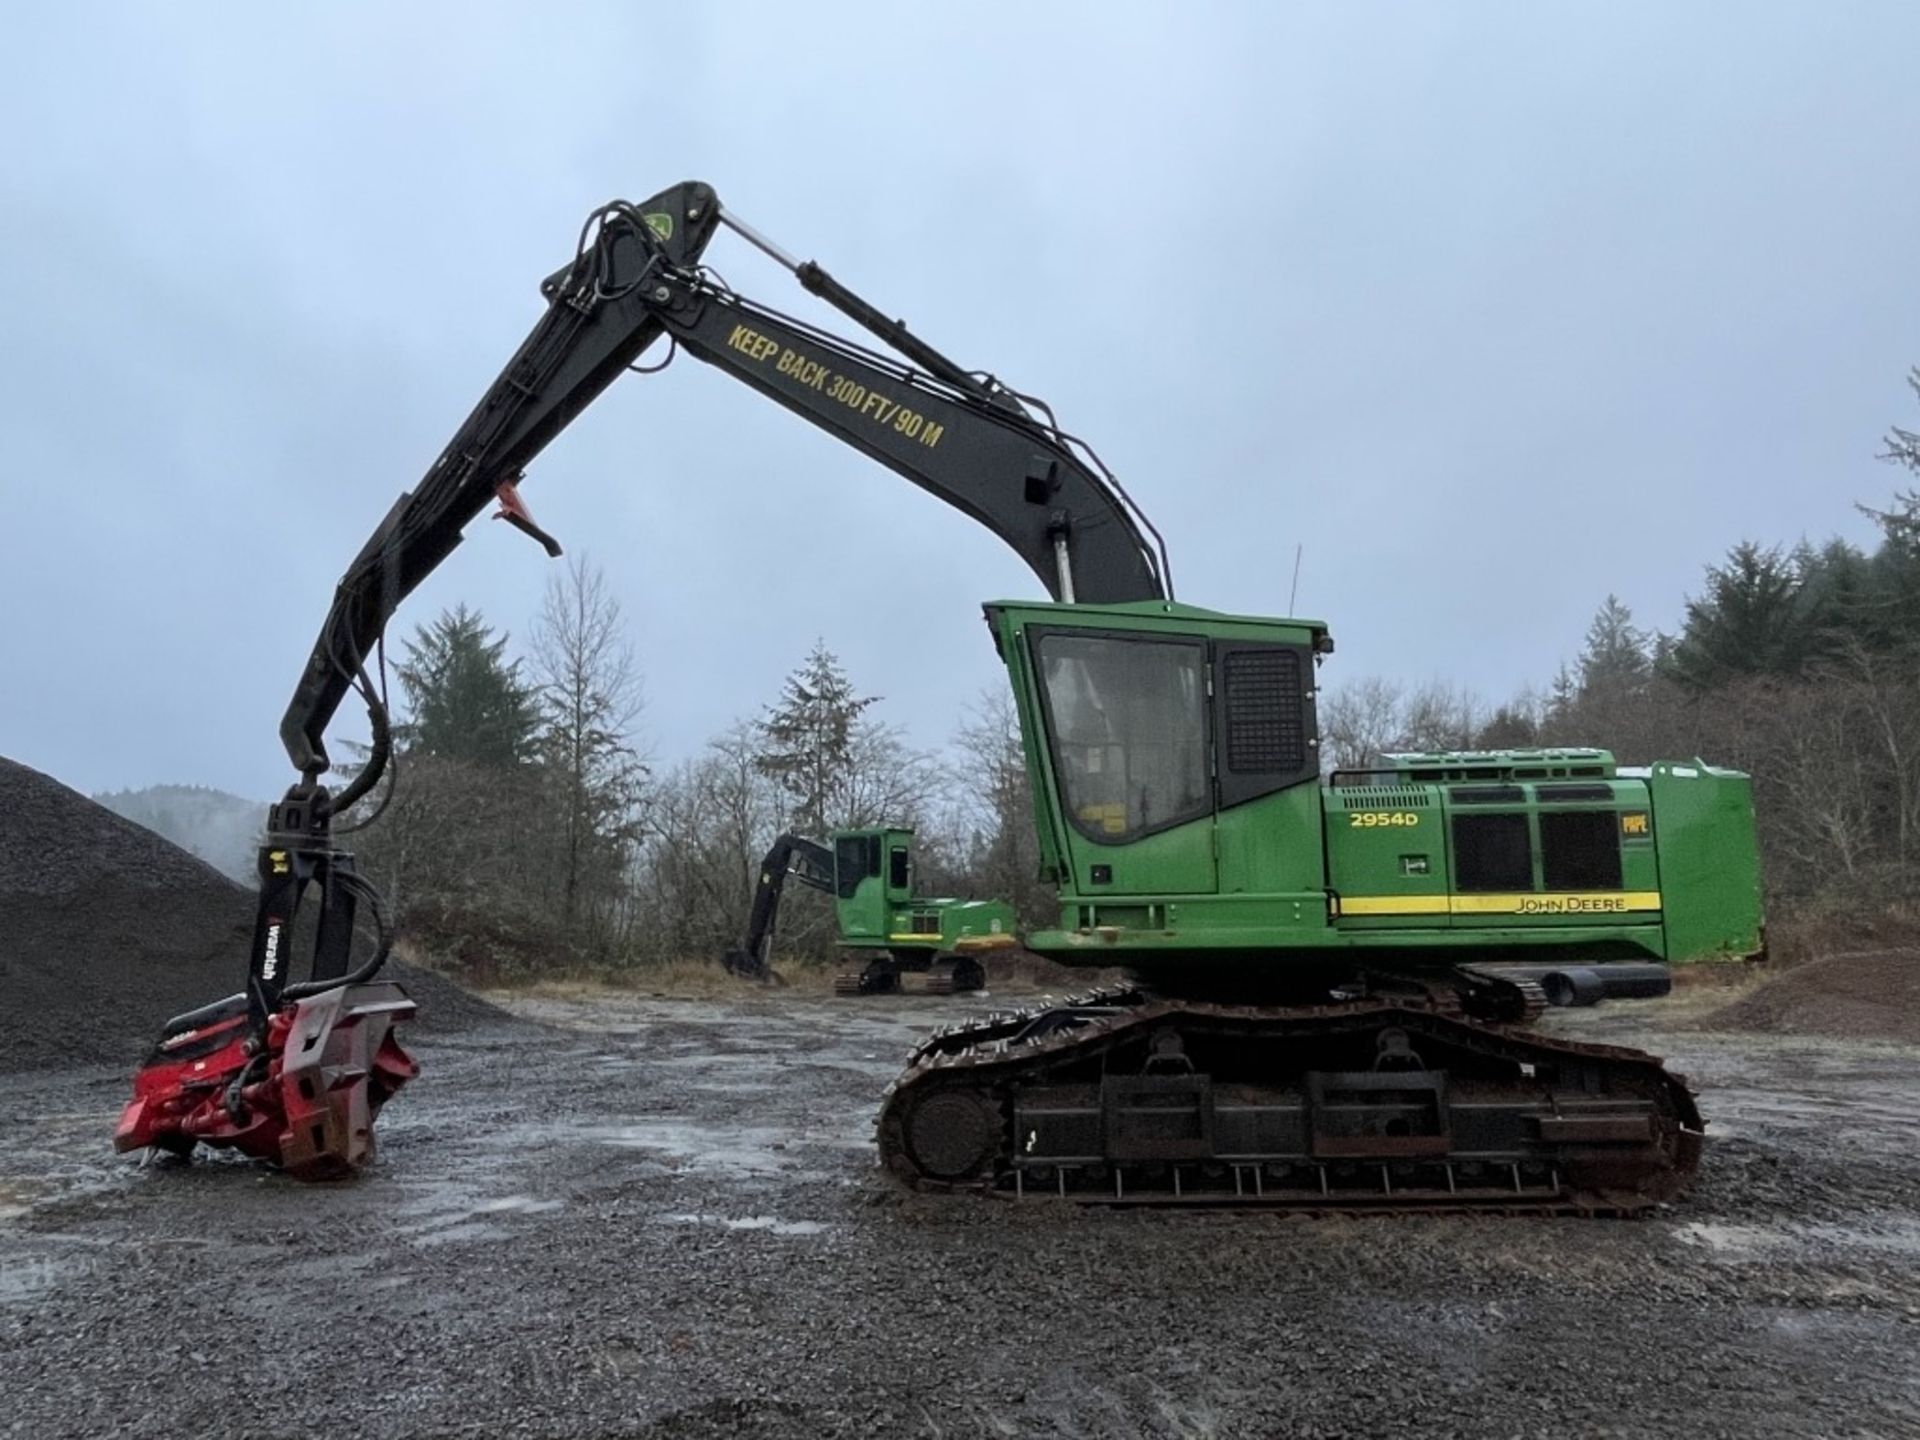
{"points": [[1609, 902], [1635, 824], [807, 372], [1373, 819], [660, 223], [751, 343], [1391, 905], [870, 405], [278, 859]]}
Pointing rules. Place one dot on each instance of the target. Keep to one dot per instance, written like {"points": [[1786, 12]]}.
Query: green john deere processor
{"points": [[885, 930], [1335, 975]]}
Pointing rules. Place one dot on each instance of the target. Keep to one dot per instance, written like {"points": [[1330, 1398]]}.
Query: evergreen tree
{"points": [[1512, 726], [465, 700], [1903, 446], [807, 742], [1563, 695], [1837, 598], [1892, 605], [1753, 619], [1895, 567], [1616, 662]]}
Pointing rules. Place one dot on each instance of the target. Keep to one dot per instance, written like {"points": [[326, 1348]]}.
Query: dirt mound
{"points": [[106, 930], [1869, 995]]}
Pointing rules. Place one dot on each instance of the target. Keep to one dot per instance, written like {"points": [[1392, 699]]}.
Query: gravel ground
{"points": [[659, 1218]]}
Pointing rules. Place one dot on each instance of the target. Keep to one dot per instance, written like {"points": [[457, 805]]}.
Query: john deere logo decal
{"points": [[660, 224]]}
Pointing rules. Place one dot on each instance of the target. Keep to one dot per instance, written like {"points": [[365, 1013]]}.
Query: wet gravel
{"points": [[658, 1218]]}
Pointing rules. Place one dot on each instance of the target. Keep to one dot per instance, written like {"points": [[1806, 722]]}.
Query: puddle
{"points": [[1731, 1237], [772, 1224], [330, 1267], [1858, 1110], [736, 1152], [1897, 1237], [518, 1205], [43, 1176], [450, 1213], [26, 1280], [464, 1231]]}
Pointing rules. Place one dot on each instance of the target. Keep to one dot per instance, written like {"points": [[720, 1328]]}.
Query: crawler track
{"points": [[943, 975], [1402, 1101]]}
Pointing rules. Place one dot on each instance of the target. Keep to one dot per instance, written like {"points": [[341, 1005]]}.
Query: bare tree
{"points": [[1359, 722], [1369, 717], [708, 824], [1888, 699], [1439, 716], [994, 804], [1819, 777], [589, 692], [887, 781]]}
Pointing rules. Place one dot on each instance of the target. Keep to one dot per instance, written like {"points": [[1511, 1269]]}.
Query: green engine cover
{"points": [[1184, 817]]}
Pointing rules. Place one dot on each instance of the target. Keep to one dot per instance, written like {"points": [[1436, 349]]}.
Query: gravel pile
{"points": [[1871, 995], [106, 930]]}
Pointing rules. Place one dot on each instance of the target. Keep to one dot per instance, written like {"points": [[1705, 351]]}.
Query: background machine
{"points": [[884, 929]]}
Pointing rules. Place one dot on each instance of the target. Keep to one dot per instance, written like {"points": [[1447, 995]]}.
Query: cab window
{"points": [[1127, 723]]}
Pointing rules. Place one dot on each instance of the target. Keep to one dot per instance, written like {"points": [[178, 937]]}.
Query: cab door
{"points": [[1128, 736]]}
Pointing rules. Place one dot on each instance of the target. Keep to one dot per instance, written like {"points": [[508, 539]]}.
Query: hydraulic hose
{"points": [[364, 891]]}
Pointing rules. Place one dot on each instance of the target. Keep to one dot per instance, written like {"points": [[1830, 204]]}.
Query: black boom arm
{"points": [[635, 277], [581, 344], [808, 861], [996, 464]]}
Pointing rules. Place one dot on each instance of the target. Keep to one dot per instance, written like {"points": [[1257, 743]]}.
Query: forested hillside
{"points": [[222, 829]]}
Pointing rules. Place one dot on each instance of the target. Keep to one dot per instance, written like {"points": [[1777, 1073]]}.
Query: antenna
{"points": [[1295, 590]]}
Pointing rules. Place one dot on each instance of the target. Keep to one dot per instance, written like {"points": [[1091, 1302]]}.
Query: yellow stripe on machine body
{"points": [[1593, 902], [967, 944], [1357, 905]]}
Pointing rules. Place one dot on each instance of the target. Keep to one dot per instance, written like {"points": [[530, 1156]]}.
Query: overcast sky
{"points": [[1494, 309]]}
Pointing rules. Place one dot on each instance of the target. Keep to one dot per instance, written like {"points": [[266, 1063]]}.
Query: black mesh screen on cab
{"points": [[1265, 730]]}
